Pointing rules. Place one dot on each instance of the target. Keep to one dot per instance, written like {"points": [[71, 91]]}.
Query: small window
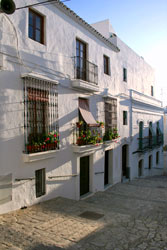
{"points": [[152, 91], [36, 26], [40, 182], [125, 118], [150, 162], [106, 65], [157, 158], [124, 74]]}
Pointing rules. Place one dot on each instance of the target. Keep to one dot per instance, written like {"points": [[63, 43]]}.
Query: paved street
{"points": [[129, 216]]}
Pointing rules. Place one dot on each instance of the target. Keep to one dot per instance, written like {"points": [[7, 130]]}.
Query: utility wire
{"points": [[44, 2]]}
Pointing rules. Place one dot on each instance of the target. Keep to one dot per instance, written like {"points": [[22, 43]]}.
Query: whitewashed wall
{"points": [[19, 55]]}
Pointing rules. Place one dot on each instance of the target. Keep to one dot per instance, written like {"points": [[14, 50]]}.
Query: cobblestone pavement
{"points": [[134, 218]]}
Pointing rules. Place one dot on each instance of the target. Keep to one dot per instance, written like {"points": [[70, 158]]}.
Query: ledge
{"points": [[84, 85], [111, 144], [39, 156], [86, 148]]}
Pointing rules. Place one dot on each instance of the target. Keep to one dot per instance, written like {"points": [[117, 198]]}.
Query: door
{"points": [[124, 160], [84, 175], [81, 60], [141, 135], [106, 168], [140, 168]]}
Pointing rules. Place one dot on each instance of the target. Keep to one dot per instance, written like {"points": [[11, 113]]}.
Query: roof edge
{"points": [[83, 23]]}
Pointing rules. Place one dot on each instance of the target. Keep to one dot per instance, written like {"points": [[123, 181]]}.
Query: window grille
{"points": [[110, 114], [40, 182], [40, 115]]}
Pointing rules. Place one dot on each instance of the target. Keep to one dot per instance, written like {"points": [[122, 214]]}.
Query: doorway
{"points": [[124, 161], [140, 168], [106, 168], [84, 175]]}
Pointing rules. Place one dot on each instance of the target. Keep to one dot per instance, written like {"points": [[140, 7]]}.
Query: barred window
{"points": [[40, 115], [40, 182], [110, 113]]}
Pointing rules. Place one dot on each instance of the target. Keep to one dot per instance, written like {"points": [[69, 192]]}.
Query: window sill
{"points": [[111, 144], [84, 85], [39, 156], [86, 148]]}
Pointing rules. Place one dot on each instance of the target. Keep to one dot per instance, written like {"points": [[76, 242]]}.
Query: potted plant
{"points": [[43, 142], [101, 124], [111, 134]]}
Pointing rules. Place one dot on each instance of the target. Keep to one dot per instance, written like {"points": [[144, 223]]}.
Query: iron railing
{"points": [[85, 70], [150, 142], [87, 135]]}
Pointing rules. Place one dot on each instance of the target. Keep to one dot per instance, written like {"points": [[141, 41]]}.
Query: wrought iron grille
{"points": [[40, 115], [85, 70], [151, 142]]}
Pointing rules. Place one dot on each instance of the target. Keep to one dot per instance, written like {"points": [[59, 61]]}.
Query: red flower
{"points": [[55, 135], [47, 139], [83, 136]]}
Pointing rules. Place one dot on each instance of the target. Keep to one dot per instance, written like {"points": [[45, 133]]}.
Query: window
{"points": [[81, 59], [150, 162], [106, 65], [110, 113], [36, 26], [40, 182], [157, 157], [125, 118], [124, 74], [152, 91], [40, 115]]}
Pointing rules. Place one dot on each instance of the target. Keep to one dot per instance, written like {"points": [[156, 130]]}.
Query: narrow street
{"points": [[128, 216]]}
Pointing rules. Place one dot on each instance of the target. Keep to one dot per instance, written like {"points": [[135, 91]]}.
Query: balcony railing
{"points": [[151, 142], [85, 70], [41, 143], [85, 135]]}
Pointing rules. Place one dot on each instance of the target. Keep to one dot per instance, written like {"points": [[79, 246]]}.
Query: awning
{"points": [[85, 112]]}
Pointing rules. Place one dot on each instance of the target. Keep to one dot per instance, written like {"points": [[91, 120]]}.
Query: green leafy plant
{"points": [[87, 137], [101, 124], [43, 142], [111, 134]]}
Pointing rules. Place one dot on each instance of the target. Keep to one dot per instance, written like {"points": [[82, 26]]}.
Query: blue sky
{"points": [[141, 24]]}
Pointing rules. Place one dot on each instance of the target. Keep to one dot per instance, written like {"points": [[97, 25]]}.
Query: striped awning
{"points": [[85, 112]]}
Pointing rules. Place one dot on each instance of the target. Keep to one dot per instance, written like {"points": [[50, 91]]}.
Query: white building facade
{"points": [[58, 77]]}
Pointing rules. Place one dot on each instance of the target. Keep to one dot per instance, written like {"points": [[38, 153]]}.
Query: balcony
{"points": [[87, 138], [91, 138], [149, 143], [85, 75]]}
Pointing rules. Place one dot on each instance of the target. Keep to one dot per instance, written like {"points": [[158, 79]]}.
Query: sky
{"points": [[141, 24]]}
